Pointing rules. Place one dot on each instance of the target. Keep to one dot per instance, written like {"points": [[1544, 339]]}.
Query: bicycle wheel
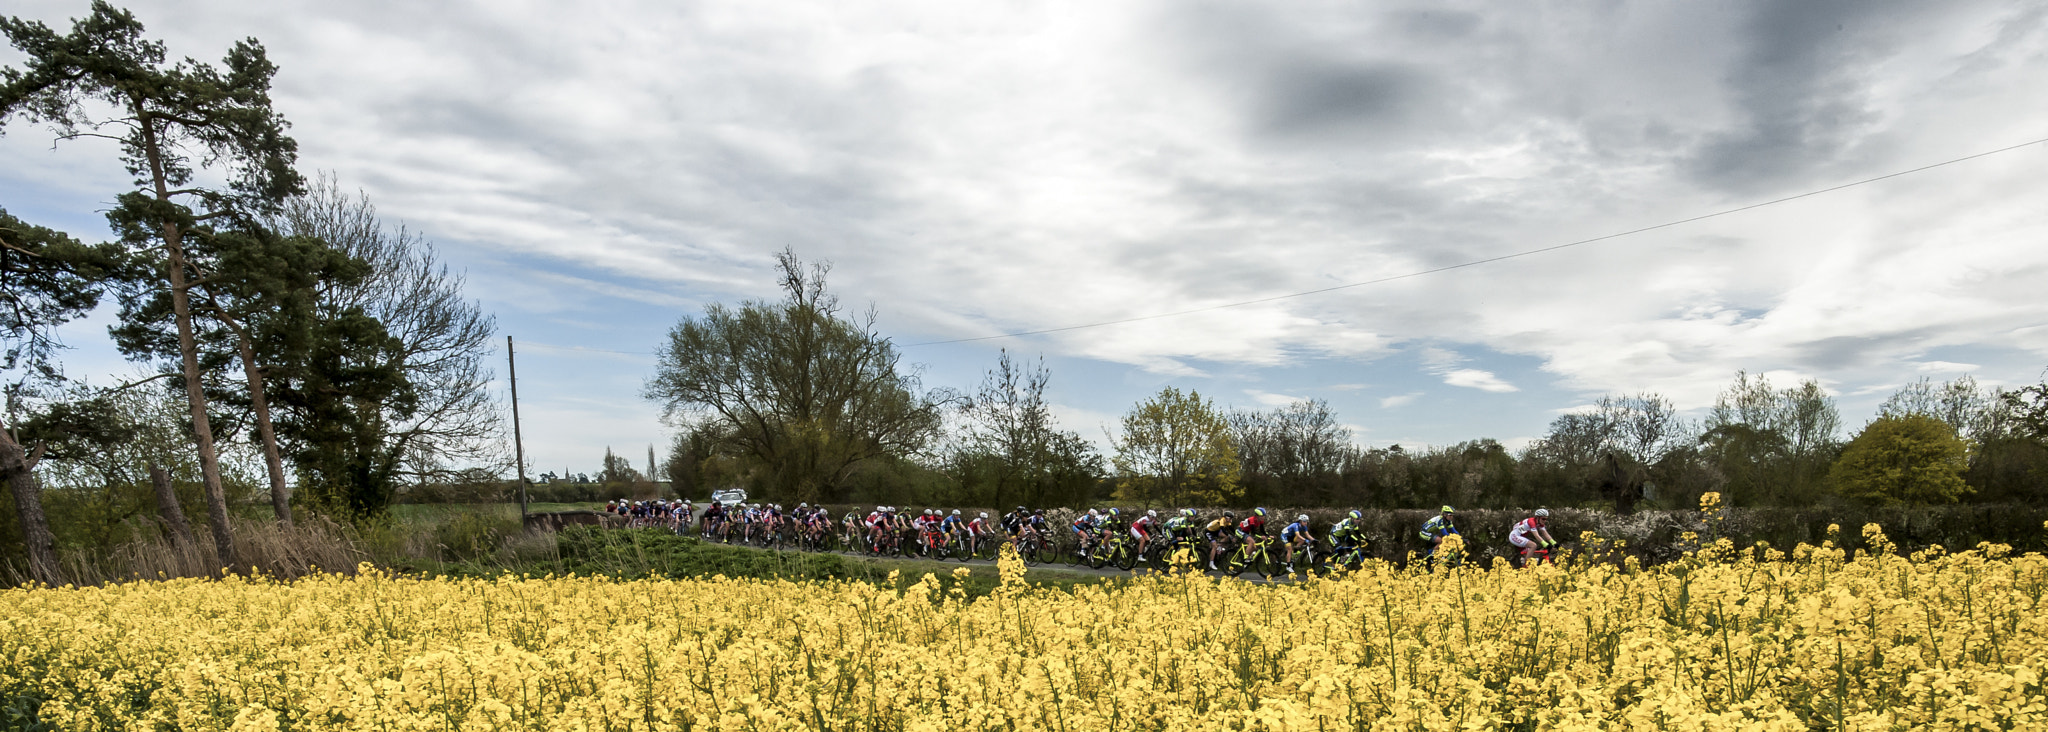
{"points": [[1126, 556]]}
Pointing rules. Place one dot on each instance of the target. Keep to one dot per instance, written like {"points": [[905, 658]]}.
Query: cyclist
{"points": [[1348, 534], [1531, 534], [1034, 526], [714, 517], [1253, 528], [1439, 526], [1181, 527], [977, 528], [1219, 532], [1084, 527], [953, 525], [1292, 536], [878, 522], [1013, 522], [1112, 524], [1141, 529]]}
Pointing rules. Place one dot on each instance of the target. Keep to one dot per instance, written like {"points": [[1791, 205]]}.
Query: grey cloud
{"points": [[1319, 98], [1800, 89]]}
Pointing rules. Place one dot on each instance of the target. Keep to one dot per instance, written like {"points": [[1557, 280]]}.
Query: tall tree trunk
{"points": [[188, 350], [280, 494], [167, 505], [16, 468]]}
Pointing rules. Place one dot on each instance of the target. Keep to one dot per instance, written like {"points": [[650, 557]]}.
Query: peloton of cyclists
{"points": [[1184, 527]]}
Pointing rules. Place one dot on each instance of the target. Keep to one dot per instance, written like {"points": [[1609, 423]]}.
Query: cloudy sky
{"points": [[973, 169]]}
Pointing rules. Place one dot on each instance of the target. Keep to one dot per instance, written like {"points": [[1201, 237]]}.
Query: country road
{"points": [[1040, 569]]}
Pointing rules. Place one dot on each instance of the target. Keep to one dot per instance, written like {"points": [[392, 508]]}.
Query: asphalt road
{"points": [[1051, 567]]}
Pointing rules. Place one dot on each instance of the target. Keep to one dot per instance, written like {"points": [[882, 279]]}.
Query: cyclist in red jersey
{"points": [[1141, 529]]}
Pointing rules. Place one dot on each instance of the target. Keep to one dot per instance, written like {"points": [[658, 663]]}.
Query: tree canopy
{"points": [[1176, 449], [800, 391], [1912, 458]]}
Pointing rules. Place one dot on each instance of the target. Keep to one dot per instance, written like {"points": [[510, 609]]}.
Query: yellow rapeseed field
{"points": [[1726, 640]]}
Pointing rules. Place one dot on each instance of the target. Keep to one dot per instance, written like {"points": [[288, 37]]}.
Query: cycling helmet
{"points": [[1113, 512], [1092, 512], [1357, 514], [1448, 509], [1149, 513], [1258, 512], [956, 512], [1229, 515], [1542, 513], [1301, 519], [984, 514], [1188, 512], [805, 504], [1021, 509], [1039, 512]]}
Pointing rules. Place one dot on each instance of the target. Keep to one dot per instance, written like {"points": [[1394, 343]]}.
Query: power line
{"points": [[581, 349], [1488, 260]]}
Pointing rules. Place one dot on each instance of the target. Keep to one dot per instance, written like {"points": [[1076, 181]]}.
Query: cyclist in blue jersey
{"points": [[1292, 536], [1438, 527]]}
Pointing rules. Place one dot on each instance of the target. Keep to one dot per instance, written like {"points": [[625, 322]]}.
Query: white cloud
{"points": [[1945, 367], [1477, 379], [1399, 400], [1269, 399]]}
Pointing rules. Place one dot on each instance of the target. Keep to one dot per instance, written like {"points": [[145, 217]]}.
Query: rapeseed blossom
{"points": [[1724, 640]]}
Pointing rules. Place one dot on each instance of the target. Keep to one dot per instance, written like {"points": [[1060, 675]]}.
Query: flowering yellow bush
{"points": [[1722, 641]]}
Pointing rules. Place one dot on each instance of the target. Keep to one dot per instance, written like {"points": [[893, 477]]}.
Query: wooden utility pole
{"points": [[518, 445]]}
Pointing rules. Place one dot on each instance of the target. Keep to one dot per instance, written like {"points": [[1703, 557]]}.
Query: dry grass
{"points": [[263, 547]]}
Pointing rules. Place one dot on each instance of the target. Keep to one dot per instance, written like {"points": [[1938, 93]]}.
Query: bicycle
{"points": [[1309, 557], [1254, 553], [1118, 550], [1033, 548], [1539, 555]]}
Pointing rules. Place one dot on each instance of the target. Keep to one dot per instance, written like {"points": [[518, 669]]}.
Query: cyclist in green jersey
{"points": [[1439, 527]]}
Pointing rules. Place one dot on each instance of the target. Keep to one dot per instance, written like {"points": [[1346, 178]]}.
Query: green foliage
{"points": [[1913, 459], [1176, 449], [473, 534], [50, 278], [794, 390], [335, 409]]}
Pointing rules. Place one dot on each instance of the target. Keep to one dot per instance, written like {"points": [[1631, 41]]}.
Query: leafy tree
{"points": [[46, 279], [617, 470], [439, 344], [803, 393], [172, 120], [1912, 458], [258, 302], [1176, 449], [336, 407]]}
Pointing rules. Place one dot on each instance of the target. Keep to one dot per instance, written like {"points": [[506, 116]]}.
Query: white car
{"points": [[729, 496]]}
